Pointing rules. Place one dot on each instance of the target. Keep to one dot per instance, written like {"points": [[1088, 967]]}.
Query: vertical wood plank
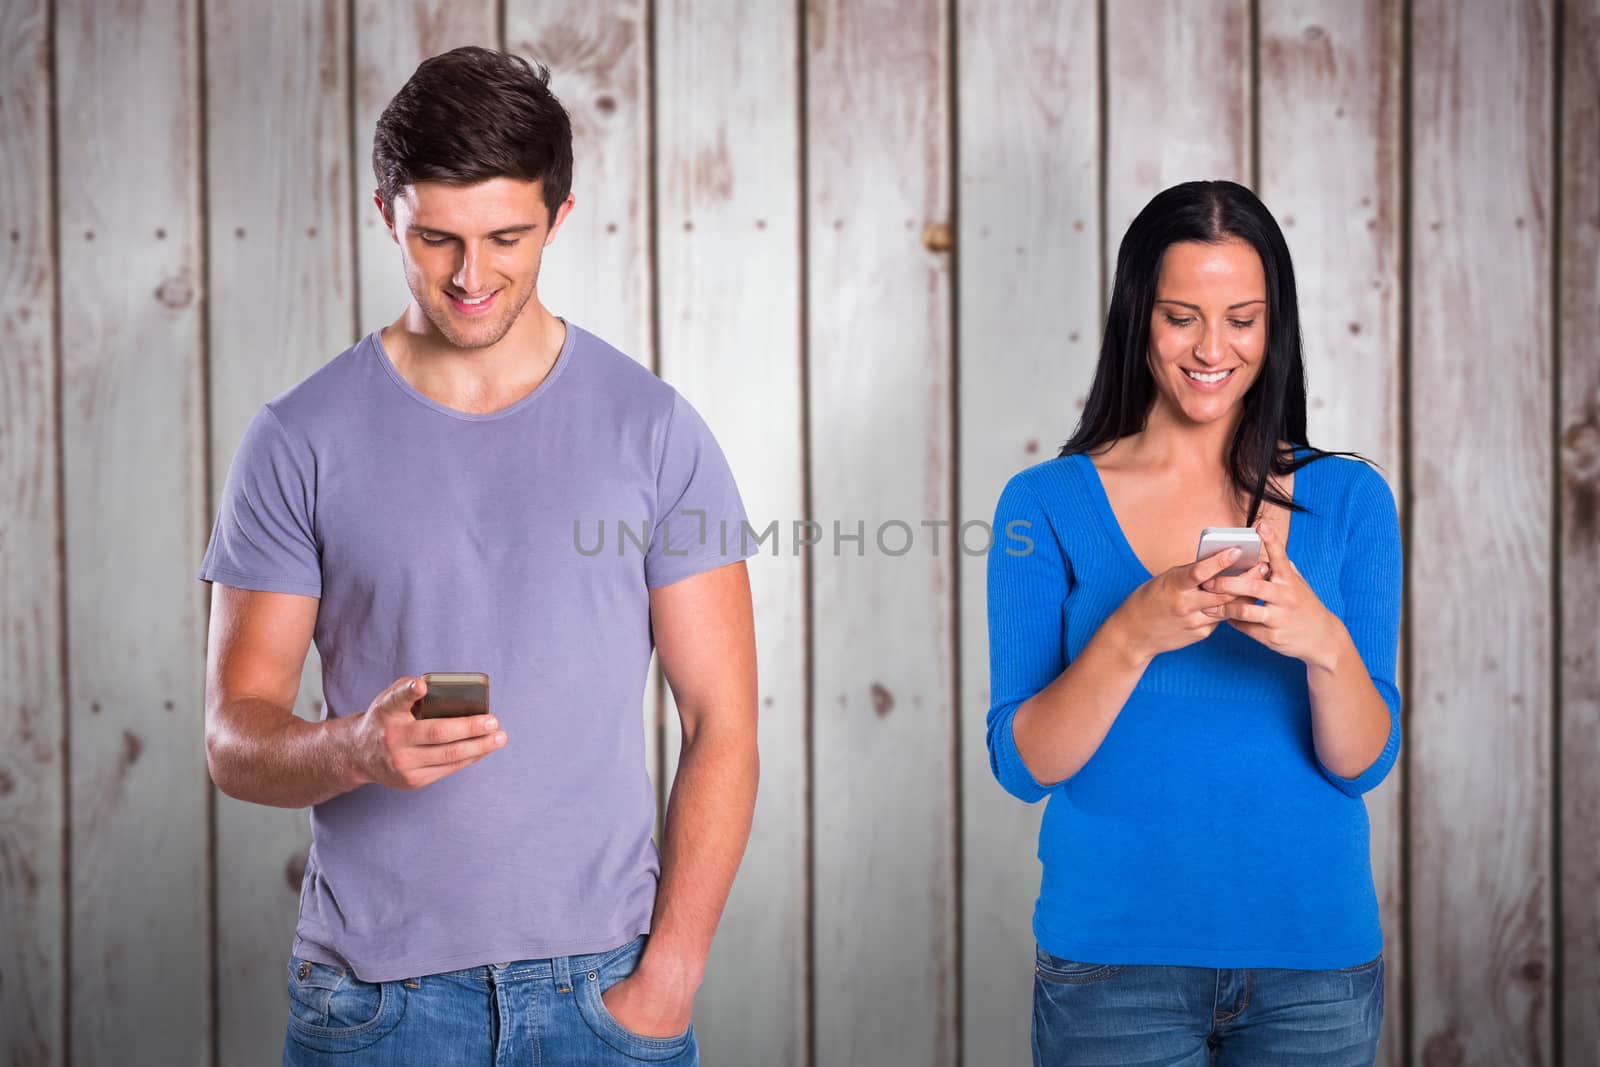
{"points": [[133, 457], [1177, 102], [598, 273], [1579, 980], [1029, 320], [391, 38], [279, 248], [32, 818], [1481, 441], [878, 195], [1329, 104], [728, 171]]}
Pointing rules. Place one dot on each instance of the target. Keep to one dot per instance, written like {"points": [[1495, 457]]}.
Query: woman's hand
{"points": [[1173, 609], [1290, 619]]}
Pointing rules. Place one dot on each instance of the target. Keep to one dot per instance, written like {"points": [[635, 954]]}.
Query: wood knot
{"points": [[176, 293], [1533, 971], [132, 748], [936, 237], [882, 700], [1581, 447], [8, 784], [1443, 1049]]}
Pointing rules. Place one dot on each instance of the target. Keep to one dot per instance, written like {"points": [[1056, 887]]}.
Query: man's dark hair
{"points": [[1124, 390], [469, 115]]}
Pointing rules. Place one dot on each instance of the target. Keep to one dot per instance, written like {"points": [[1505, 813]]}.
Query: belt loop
{"points": [[562, 967]]}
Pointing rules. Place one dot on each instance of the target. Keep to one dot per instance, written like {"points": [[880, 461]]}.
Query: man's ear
{"points": [[387, 213], [561, 216]]}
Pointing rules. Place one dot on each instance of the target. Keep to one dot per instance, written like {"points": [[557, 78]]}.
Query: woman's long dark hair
{"points": [[1124, 389]]}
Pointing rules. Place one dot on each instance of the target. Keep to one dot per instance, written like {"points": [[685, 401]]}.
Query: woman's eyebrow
{"points": [[1196, 307]]}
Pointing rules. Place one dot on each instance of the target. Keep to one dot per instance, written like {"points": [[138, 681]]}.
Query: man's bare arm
{"points": [[258, 750], [705, 637]]}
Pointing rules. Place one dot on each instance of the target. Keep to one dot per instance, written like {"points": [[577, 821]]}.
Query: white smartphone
{"points": [[1214, 539]]}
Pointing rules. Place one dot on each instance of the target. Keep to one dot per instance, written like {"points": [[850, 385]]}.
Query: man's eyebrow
{"points": [[417, 227], [1196, 307]]}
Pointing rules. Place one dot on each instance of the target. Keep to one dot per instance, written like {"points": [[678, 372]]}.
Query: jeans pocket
{"points": [[331, 1010], [592, 1006], [1072, 972]]}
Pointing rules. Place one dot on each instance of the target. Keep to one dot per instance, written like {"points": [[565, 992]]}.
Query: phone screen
{"points": [[452, 694]]}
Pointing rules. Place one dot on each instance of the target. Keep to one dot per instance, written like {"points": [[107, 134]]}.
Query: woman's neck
{"points": [[1172, 443]]}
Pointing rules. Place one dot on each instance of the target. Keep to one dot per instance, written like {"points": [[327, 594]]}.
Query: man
{"points": [[479, 888]]}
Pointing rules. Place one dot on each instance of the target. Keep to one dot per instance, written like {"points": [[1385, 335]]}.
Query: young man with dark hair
{"points": [[485, 888]]}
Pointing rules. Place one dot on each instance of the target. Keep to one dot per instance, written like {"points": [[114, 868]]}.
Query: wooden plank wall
{"points": [[1577, 548], [133, 474], [1481, 458], [33, 806], [879, 370], [870, 240]]}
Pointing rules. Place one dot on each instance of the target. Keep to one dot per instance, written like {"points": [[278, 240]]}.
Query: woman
{"points": [[1204, 741]]}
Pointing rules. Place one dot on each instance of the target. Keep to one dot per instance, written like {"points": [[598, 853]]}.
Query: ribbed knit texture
{"points": [[1204, 831]]}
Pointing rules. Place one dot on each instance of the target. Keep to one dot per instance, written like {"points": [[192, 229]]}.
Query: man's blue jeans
{"points": [[546, 1012], [1091, 1013]]}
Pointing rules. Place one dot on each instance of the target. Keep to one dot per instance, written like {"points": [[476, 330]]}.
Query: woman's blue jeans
{"points": [[1091, 1014]]}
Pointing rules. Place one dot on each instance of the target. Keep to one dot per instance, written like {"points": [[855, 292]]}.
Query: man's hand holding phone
{"points": [[395, 748]]}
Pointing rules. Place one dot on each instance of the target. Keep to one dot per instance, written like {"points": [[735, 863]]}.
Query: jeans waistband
{"points": [[559, 968]]}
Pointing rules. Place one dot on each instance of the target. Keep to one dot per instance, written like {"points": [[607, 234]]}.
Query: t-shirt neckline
{"points": [[563, 357]]}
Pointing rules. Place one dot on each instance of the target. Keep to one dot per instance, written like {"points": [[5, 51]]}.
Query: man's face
{"points": [[472, 252]]}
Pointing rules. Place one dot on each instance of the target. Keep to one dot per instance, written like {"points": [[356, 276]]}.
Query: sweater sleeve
{"points": [[1029, 578], [1370, 583]]}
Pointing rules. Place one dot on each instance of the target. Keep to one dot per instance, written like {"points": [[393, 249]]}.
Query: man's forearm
{"points": [[259, 752], [708, 820]]}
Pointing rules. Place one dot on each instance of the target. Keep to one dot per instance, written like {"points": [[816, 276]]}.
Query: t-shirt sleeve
{"points": [[1028, 580], [1370, 585], [700, 519], [263, 537]]}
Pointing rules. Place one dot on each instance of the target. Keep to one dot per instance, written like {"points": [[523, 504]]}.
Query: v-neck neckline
{"points": [[1108, 515]]}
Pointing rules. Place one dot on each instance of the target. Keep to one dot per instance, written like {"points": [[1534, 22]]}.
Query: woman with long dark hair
{"points": [[1203, 740]]}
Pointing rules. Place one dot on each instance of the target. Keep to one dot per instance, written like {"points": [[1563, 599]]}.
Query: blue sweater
{"points": [[1204, 831]]}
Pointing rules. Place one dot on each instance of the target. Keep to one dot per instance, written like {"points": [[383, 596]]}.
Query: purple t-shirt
{"points": [[522, 543]]}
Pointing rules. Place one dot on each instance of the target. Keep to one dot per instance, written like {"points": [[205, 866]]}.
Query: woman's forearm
{"points": [[1060, 727], [1349, 720]]}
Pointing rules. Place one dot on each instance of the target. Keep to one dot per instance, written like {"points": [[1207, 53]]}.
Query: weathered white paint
{"points": [[1481, 635], [1028, 250], [134, 439]]}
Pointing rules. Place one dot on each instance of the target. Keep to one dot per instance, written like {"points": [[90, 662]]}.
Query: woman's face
{"points": [[1210, 321]]}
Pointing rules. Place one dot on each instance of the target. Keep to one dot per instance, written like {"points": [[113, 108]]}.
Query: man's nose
{"points": [[470, 273]]}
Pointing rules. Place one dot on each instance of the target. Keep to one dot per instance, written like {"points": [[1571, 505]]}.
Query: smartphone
{"points": [[1214, 539], [453, 693]]}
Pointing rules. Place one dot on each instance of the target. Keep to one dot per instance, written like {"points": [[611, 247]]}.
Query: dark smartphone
{"points": [[453, 693]]}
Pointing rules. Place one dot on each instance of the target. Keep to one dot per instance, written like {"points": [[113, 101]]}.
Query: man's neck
{"points": [[527, 351], [476, 378]]}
